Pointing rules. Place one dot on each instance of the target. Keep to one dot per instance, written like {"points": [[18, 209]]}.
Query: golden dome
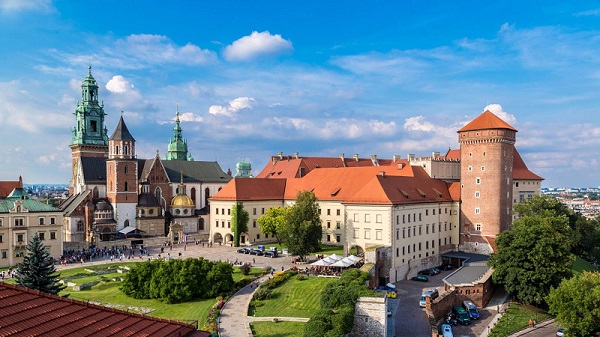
{"points": [[182, 200]]}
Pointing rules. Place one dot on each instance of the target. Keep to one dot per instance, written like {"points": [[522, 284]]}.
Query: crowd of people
{"points": [[97, 253]]}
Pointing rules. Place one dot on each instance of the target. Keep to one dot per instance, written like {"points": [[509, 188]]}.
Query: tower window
{"points": [[477, 210], [478, 181], [477, 194], [470, 168], [94, 126], [478, 227], [483, 168]]}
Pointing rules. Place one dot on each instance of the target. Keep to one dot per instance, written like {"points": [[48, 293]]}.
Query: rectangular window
{"points": [[355, 217], [42, 236], [41, 221], [222, 224], [378, 234], [433, 210], [19, 237], [328, 224], [338, 238], [415, 231], [0, 238], [253, 223], [403, 218], [254, 211], [338, 225], [433, 228], [328, 211], [403, 233], [263, 210], [478, 181], [397, 252], [477, 211], [216, 211], [477, 226], [420, 230], [378, 218], [257, 236], [355, 236], [328, 238], [403, 250], [397, 234], [420, 216], [427, 229], [419, 246], [338, 212], [477, 194], [0, 222], [432, 243], [426, 244], [18, 222], [4, 254], [228, 211], [228, 224], [367, 217], [53, 221], [367, 233], [426, 212]]}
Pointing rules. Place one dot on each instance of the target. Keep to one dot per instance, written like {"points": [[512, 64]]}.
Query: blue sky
{"points": [[254, 78]]}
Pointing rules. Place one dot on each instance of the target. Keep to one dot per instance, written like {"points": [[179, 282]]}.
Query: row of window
{"points": [[367, 234], [406, 232], [470, 168], [20, 222], [408, 249], [378, 218], [21, 236]]}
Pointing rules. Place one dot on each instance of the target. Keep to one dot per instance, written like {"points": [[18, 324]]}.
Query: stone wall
{"points": [[370, 317]]}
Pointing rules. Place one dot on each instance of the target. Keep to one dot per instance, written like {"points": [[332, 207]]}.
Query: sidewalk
{"points": [[526, 331], [497, 303]]}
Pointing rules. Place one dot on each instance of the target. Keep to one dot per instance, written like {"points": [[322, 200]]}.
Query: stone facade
{"points": [[370, 317]]}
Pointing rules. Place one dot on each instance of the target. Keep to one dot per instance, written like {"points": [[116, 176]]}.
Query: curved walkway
{"points": [[234, 320]]}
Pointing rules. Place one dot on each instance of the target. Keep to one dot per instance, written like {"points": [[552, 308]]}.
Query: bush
{"points": [[245, 269], [266, 270], [244, 281], [263, 294], [257, 303], [301, 277]]}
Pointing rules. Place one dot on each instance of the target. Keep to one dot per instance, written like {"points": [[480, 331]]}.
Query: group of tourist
{"points": [[95, 253]]}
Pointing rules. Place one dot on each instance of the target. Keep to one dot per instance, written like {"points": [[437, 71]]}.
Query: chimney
{"points": [[374, 160], [411, 156], [400, 166], [342, 156], [280, 155], [382, 173], [435, 154], [355, 156], [296, 155], [396, 157]]}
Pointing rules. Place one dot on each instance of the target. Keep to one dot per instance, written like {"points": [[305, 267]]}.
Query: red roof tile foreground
{"points": [[520, 170], [26, 312], [486, 120]]}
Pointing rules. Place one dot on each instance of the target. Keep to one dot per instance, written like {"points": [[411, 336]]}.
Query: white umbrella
{"points": [[330, 260], [321, 262], [354, 258], [335, 257], [342, 263]]}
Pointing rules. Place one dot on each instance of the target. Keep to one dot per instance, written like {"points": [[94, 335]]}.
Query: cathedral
{"points": [[114, 194]]}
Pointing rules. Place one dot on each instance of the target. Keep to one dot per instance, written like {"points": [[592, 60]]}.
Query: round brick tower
{"points": [[486, 154]]}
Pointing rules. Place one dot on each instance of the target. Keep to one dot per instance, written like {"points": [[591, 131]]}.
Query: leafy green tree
{"points": [[37, 270], [575, 304], [239, 222], [272, 222], [533, 256], [302, 230]]}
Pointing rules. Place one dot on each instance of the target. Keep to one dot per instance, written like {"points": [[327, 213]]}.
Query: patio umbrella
{"points": [[354, 258], [342, 263], [335, 257], [321, 262]]}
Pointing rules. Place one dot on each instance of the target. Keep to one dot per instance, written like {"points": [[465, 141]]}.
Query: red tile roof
{"points": [[252, 189], [26, 312], [452, 154], [520, 170], [8, 186], [486, 120], [454, 190], [296, 167]]}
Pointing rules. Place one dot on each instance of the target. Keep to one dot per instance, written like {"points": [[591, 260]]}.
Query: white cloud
{"points": [[118, 85], [233, 107], [46, 159], [25, 5], [496, 109], [190, 117], [159, 49], [255, 45], [418, 123], [591, 12]]}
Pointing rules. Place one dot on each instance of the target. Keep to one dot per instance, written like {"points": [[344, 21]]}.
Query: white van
{"points": [[433, 294]]}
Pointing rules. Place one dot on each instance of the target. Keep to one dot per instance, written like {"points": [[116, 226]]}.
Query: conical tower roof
{"points": [[121, 132], [487, 120]]}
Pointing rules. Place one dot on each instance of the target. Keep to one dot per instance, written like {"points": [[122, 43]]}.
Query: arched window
{"points": [[126, 223], [158, 195], [126, 168], [206, 195], [126, 150], [193, 192], [201, 224], [117, 149], [95, 193], [126, 185]]}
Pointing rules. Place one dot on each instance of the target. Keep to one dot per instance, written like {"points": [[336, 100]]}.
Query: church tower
{"points": [[177, 149], [89, 137], [122, 176], [486, 154]]}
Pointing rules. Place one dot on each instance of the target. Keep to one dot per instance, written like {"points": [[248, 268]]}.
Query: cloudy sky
{"points": [[254, 78]]}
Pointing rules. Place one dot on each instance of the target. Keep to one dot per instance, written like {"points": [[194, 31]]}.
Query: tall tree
{"points": [[272, 222], [302, 231], [37, 270], [533, 256], [239, 222], [575, 304]]}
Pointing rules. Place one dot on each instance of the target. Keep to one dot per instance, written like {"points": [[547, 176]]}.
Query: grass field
{"points": [[294, 298], [279, 329], [580, 265], [516, 318]]}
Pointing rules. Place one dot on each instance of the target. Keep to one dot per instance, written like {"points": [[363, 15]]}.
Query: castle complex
{"points": [[410, 210]]}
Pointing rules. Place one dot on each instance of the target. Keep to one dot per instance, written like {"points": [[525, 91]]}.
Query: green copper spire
{"points": [[177, 149], [89, 115]]}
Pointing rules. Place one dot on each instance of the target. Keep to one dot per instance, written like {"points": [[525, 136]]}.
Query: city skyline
{"points": [[321, 79]]}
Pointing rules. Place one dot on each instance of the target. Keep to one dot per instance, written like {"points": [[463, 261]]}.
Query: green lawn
{"points": [[580, 265], [516, 318], [280, 329], [294, 298]]}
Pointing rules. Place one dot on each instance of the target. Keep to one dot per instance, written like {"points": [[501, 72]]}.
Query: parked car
{"points": [[446, 330], [561, 332], [256, 252], [461, 315], [433, 294], [428, 272], [420, 278], [445, 267], [243, 250], [435, 270], [471, 309], [271, 254]]}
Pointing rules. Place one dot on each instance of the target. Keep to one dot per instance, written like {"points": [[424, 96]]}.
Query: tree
{"points": [[272, 222], [37, 270], [533, 256], [239, 222], [302, 231], [575, 304]]}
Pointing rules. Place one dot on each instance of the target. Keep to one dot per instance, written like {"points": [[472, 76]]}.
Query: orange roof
{"points": [[296, 167], [454, 190], [26, 312], [486, 120], [453, 154], [252, 189], [8, 186], [520, 170]]}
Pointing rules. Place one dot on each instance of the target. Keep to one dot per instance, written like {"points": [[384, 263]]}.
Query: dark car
{"points": [[271, 254], [445, 267], [256, 252], [461, 315], [243, 250], [435, 270], [420, 278], [428, 272]]}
